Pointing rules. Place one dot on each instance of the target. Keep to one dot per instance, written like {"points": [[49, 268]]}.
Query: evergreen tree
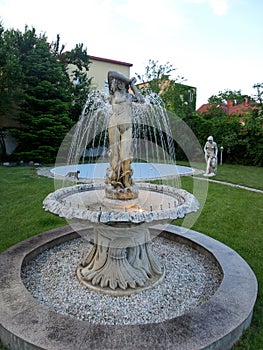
{"points": [[44, 113], [10, 79], [80, 90], [10, 85], [37, 92], [81, 82]]}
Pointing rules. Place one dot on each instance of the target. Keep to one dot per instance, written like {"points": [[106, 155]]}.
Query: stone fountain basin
{"points": [[156, 203], [216, 324]]}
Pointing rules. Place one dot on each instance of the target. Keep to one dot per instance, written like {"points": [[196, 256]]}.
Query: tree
{"points": [[80, 90], [157, 76], [44, 112], [36, 91], [214, 111], [10, 85], [259, 94], [177, 97], [223, 96], [180, 99], [252, 137], [241, 137], [10, 74], [81, 83]]}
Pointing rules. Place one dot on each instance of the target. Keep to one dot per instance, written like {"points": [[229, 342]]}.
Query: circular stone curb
{"points": [[216, 324]]}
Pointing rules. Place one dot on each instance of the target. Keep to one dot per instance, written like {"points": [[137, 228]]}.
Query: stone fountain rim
{"points": [[216, 324], [54, 203], [175, 170]]}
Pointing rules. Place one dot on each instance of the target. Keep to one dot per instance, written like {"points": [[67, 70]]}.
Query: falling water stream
{"points": [[151, 142]]}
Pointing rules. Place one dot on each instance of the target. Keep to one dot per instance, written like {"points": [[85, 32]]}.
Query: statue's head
{"points": [[118, 81], [210, 139]]}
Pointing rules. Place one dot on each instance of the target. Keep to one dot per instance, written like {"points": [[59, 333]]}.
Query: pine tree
{"points": [[44, 113], [10, 79], [81, 82]]}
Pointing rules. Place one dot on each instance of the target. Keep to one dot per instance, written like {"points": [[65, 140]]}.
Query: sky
{"points": [[216, 45]]}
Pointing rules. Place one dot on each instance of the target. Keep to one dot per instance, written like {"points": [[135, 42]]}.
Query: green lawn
{"points": [[230, 215], [21, 213], [237, 174]]}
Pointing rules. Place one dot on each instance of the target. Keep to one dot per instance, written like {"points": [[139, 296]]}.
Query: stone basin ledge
{"points": [[216, 324], [175, 203]]}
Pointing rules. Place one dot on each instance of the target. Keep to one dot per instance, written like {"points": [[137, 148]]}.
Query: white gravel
{"points": [[191, 279]]}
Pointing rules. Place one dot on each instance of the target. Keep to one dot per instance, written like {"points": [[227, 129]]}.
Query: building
{"points": [[231, 107], [99, 68], [183, 97]]}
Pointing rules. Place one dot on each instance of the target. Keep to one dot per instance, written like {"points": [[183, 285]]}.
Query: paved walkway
{"points": [[229, 184]]}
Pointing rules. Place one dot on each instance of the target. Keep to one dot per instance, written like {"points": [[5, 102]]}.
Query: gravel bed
{"points": [[191, 279]]}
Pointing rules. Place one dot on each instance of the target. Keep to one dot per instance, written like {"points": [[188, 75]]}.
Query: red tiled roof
{"points": [[204, 108], [230, 108], [241, 108]]}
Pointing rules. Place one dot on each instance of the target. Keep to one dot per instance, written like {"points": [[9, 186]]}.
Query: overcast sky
{"points": [[215, 44]]}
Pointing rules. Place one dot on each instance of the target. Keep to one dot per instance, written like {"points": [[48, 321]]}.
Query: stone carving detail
{"points": [[120, 258]]}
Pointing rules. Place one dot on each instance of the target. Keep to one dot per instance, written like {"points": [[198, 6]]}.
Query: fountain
{"points": [[119, 220], [121, 261]]}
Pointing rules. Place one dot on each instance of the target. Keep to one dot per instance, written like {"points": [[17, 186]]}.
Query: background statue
{"points": [[211, 151], [119, 183]]}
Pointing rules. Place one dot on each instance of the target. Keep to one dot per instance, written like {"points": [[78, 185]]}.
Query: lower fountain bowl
{"points": [[216, 324], [87, 202]]}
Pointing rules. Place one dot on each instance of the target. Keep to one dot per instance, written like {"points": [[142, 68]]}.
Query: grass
{"points": [[230, 215], [237, 174], [21, 213], [234, 217]]}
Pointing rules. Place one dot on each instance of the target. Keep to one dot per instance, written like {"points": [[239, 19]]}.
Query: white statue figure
{"points": [[119, 183], [211, 151]]}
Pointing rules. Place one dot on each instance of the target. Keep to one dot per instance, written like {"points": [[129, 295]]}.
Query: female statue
{"points": [[119, 181]]}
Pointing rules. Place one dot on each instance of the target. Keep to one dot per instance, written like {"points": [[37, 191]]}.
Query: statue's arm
{"points": [[138, 96]]}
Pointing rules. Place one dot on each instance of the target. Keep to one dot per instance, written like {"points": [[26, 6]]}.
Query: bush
{"points": [[242, 138]]}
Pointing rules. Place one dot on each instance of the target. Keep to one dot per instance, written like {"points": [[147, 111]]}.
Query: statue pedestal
{"points": [[121, 261]]}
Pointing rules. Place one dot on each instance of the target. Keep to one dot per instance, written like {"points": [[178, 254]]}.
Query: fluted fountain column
{"points": [[121, 260]]}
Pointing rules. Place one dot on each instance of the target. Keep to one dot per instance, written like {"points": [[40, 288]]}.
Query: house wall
{"points": [[99, 68]]}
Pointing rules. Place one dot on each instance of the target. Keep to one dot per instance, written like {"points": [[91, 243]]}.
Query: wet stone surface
{"points": [[191, 279]]}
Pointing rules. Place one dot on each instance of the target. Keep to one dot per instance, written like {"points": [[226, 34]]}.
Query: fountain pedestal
{"points": [[121, 260]]}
